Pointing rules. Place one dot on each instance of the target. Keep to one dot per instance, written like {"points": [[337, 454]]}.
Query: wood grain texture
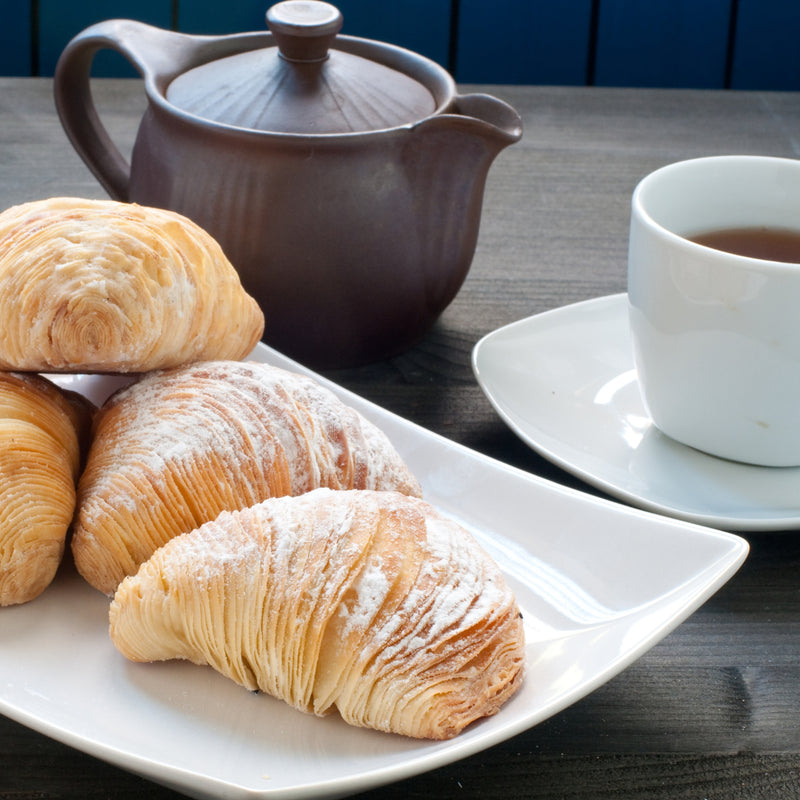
{"points": [[710, 712]]}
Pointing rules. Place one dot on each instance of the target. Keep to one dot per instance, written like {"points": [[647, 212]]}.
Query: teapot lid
{"points": [[305, 81]]}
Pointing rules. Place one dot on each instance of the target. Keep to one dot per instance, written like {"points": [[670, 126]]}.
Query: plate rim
{"points": [[733, 552]]}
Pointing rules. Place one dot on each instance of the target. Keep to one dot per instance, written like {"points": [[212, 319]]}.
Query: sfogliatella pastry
{"points": [[42, 430], [104, 286], [369, 603], [174, 449]]}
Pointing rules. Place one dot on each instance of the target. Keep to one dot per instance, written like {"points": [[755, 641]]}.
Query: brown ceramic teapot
{"points": [[344, 178]]}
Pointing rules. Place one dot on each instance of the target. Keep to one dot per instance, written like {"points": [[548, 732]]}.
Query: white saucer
{"points": [[564, 381]]}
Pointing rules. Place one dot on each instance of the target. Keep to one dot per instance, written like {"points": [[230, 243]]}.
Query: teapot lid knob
{"points": [[305, 78], [304, 29]]}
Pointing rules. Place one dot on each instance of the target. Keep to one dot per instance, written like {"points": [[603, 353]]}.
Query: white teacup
{"points": [[716, 335]]}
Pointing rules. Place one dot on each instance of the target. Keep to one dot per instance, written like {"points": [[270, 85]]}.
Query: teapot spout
{"points": [[497, 119], [493, 122]]}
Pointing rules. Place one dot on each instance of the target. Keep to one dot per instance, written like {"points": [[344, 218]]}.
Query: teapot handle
{"points": [[146, 48], [157, 54]]}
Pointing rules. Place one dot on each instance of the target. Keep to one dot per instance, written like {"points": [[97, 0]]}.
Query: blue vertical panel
{"points": [[419, 25], [15, 39], [767, 47], [538, 41], [215, 17], [60, 21], [662, 43]]}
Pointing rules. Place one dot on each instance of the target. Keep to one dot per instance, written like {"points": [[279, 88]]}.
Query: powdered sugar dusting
{"points": [[458, 587], [242, 411], [479, 588], [177, 447], [371, 590], [93, 285], [207, 556], [315, 600]]}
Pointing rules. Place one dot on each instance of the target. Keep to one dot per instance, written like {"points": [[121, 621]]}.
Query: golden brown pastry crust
{"points": [[370, 603], [174, 449], [104, 286], [41, 429]]}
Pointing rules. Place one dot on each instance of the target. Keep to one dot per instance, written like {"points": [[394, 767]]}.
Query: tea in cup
{"points": [[714, 305]]}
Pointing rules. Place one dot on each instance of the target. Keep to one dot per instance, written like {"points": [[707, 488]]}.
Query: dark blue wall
{"points": [[738, 44]]}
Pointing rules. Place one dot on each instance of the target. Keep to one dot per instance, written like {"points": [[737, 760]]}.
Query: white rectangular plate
{"points": [[598, 585]]}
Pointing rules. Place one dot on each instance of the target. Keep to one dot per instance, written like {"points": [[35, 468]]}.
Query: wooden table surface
{"points": [[711, 711]]}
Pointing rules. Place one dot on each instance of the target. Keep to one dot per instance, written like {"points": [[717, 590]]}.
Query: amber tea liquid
{"points": [[770, 244]]}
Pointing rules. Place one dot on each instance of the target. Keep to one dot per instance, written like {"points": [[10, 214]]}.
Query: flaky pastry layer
{"points": [[41, 435], [104, 286], [369, 603], [174, 449]]}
